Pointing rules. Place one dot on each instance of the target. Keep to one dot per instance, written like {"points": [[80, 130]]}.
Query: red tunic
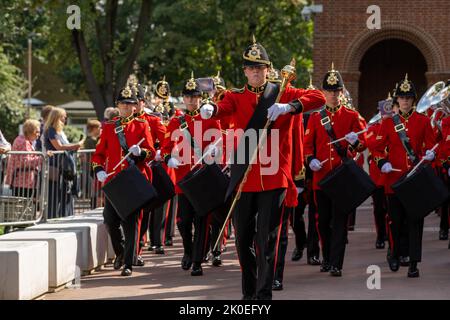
{"points": [[343, 121], [241, 104], [444, 146], [389, 147], [169, 143], [108, 152], [371, 140]]}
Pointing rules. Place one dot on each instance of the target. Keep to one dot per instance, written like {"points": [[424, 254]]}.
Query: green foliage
{"points": [[204, 36], [2, 230], [73, 133], [12, 89]]}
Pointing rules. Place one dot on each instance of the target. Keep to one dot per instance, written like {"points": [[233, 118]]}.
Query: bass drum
{"points": [[205, 188], [129, 191], [421, 193], [348, 186]]}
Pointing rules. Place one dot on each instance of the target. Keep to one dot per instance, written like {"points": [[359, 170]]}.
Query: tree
{"points": [[12, 89]]}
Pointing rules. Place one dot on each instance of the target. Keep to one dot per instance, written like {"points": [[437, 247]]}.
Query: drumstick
{"points": [[207, 153], [324, 161], [420, 162], [343, 138], [128, 154], [398, 170]]}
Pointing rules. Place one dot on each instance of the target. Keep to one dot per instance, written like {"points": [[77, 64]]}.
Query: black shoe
{"points": [[248, 297], [394, 264], [297, 254], [277, 285], [217, 261], [335, 272], [118, 262], [413, 272], [314, 261], [197, 270], [404, 261], [325, 266], [186, 262], [151, 248], [126, 272], [443, 234], [159, 250], [168, 242], [138, 261], [379, 244]]}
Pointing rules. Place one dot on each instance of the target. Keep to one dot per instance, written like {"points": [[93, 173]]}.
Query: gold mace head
{"points": [[288, 73]]}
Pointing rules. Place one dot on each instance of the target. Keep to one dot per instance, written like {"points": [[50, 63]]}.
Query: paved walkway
{"points": [[163, 278]]}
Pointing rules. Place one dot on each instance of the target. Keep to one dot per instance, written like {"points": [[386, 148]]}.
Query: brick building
{"points": [[414, 38]]}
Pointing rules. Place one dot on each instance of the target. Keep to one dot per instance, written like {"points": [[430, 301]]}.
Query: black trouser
{"points": [[157, 216], [216, 223], [257, 221], [445, 217], [332, 230], [311, 241], [130, 231], [379, 212], [187, 217], [283, 244], [412, 227], [169, 219], [143, 230], [351, 218]]}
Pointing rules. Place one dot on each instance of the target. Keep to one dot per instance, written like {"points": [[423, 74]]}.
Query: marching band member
{"points": [[391, 153], [153, 219], [323, 157], [194, 249], [125, 129], [263, 196]]}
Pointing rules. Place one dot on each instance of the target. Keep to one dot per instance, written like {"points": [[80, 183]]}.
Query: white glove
{"points": [[173, 163], [429, 155], [315, 165], [206, 111], [101, 176], [351, 137], [135, 150], [386, 168], [277, 109], [300, 190], [212, 150], [158, 155]]}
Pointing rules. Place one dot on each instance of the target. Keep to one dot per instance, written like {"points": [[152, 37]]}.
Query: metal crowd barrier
{"points": [[37, 186]]}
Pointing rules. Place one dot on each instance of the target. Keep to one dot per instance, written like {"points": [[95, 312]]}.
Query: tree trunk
{"points": [[144, 19], [92, 88]]}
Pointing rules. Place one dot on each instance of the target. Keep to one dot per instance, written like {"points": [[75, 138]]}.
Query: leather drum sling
{"points": [[129, 190], [423, 191], [348, 185]]}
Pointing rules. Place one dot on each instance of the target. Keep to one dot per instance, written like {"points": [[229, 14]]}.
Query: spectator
{"points": [[21, 172], [44, 115], [111, 113], [60, 202], [5, 146], [93, 131]]}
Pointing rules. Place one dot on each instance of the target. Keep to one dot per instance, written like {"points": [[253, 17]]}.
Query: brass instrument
{"points": [[437, 98]]}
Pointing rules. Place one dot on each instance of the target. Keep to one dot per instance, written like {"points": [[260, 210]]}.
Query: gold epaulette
{"points": [[238, 90], [139, 119]]}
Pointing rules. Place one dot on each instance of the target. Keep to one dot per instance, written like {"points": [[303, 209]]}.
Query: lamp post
{"points": [[29, 78]]}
